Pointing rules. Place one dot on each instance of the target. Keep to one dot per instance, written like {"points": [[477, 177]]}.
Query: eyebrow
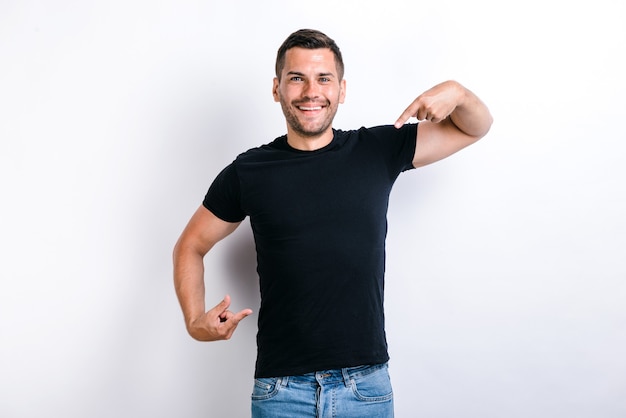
{"points": [[302, 74]]}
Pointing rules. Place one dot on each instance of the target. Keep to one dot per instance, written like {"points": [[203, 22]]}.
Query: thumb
{"points": [[241, 315]]}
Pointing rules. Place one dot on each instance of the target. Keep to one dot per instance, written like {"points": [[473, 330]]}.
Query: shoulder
{"points": [[380, 136], [378, 132], [264, 152], [390, 131]]}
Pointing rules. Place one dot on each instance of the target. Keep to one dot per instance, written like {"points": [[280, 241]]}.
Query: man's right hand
{"points": [[218, 323]]}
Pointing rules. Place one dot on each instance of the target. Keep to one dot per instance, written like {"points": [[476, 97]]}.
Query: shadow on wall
{"points": [[240, 266]]}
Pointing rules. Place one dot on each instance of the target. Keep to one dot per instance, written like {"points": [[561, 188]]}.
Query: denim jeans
{"points": [[354, 392]]}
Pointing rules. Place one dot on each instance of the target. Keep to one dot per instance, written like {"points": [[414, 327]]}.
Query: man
{"points": [[317, 201]]}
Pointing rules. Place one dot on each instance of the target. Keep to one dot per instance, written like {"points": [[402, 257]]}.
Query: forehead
{"points": [[301, 59]]}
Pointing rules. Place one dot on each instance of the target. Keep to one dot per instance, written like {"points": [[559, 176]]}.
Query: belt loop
{"points": [[283, 381], [347, 380]]}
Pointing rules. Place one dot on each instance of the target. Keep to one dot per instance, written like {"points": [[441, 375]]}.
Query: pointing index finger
{"points": [[406, 115], [223, 305], [402, 120]]}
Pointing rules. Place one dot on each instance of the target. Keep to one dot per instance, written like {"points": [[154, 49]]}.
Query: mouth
{"points": [[310, 108]]}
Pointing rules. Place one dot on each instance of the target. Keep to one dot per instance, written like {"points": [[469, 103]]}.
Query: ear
{"points": [[342, 93], [275, 90]]}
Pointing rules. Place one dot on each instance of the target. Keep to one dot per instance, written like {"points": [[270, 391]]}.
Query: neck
{"points": [[309, 143]]}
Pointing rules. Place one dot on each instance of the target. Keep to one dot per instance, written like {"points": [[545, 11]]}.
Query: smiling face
{"points": [[309, 91]]}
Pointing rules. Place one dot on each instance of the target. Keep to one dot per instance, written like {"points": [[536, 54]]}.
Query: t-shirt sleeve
{"points": [[396, 145], [224, 197], [408, 142]]}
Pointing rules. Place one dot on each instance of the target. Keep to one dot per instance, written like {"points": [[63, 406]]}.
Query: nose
{"points": [[310, 90]]}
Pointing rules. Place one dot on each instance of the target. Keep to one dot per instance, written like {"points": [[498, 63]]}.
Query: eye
{"points": [[324, 80], [296, 78]]}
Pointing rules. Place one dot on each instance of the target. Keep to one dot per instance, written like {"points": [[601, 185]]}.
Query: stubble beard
{"points": [[298, 127]]}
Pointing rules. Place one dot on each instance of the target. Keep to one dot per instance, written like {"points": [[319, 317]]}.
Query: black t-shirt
{"points": [[319, 220]]}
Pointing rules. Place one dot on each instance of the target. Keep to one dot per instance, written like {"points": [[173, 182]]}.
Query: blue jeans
{"points": [[358, 392]]}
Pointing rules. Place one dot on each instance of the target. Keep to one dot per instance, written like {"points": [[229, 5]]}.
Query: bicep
{"points": [[204, 230], [436, 141]]}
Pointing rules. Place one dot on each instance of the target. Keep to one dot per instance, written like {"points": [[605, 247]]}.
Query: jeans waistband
{"points": [[345, 375]]}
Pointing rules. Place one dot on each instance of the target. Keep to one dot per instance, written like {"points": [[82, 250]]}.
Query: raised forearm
{"points": [[454, 118], [471, 116]]}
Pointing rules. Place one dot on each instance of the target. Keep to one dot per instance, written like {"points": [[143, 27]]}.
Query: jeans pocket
{"points": [[374, 387], [265, 388]]}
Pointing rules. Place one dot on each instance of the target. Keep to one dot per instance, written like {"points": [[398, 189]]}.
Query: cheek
{"points": [[285, 94]]}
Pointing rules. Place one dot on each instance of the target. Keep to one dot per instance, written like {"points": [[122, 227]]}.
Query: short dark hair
{"points": [[309, 39]]}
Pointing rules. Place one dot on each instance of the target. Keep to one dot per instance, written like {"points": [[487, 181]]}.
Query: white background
{"points": [[506, 262]]}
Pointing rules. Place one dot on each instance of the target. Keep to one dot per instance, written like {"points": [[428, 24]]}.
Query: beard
{"points": [[309, 129]]}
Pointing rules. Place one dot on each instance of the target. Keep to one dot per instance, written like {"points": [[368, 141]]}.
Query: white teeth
{"points": [[310, 108]]}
